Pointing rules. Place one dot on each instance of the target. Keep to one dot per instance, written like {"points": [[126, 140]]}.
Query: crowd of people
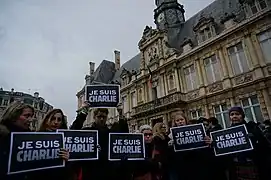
{"points": [[161, 161]]}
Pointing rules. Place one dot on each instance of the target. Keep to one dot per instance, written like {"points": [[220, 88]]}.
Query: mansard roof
{"points": [[216, 11]]}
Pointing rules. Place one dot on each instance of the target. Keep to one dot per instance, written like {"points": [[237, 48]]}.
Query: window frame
{"points": [[268, 40], [239, 61], [257, 5], [211, 64], [190, 75], [198, 114], [221, 112], [251, 107]]}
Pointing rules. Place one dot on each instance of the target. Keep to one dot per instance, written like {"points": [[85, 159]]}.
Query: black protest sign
{"points": [[231, 140], [188, 137], [82, 144], [103, 96], [125, 145], [30, 151]]}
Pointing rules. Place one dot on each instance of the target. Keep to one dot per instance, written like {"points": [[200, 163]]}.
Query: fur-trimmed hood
{"points": [[4, 131]]}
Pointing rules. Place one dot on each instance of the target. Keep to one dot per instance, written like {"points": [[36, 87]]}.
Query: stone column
{"points": [[232, 102], [177, 80], [199, 73], [206, 109], [223, 64], [205, 82], [227, 62], [267, 101], [166, 85], [251, 51]]}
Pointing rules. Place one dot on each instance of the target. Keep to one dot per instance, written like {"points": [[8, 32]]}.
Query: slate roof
{"points": [[105, 72], [132, 64], [216, 10]]}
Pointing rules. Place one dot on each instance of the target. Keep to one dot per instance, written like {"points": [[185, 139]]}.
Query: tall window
{"points": [[5, 102], [238, 59], [196, 114], [257, 6], [125, 104], [190, 77], [212, 68], [154, 93], [221, 113], [134, 101], [140, 95], [265, 41], [252, 109], [171, 82]]}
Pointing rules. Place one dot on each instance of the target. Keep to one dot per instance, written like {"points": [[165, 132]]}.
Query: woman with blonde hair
{"points": [[16, 118], [52, 121]]}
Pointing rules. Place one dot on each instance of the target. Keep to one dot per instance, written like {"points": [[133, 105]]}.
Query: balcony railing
{"points": [[159, 103]]}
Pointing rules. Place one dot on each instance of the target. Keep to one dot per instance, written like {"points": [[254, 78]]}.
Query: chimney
{"points": [[36, 94], [117, 60], [91, 68]]}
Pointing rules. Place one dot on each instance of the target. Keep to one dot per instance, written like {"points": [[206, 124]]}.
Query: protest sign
{"points": [[82, 144], [130, 146], [103, 96], [231, 140], [30, 151], [188, 137]]}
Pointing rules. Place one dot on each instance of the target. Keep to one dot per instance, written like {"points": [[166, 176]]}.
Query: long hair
{"points": [[179, 113], [48, 117], [157, 130], [13, 112]]}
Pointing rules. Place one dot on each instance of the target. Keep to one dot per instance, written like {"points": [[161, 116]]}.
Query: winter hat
{"points": [[238, 109]]}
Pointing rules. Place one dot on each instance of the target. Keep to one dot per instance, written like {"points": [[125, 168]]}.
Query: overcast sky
{"points": [[45, 45]]}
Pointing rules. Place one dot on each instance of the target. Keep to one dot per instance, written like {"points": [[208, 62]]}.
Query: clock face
{"points": [[161, 17], [171, 16]]}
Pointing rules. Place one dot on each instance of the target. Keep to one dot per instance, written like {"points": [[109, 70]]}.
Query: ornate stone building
{"points": [[41, 107], [217, 59], [204, 65]]}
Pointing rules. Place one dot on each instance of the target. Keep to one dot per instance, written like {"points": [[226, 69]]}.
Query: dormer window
{"points": [[205, 34], [256, 6], [205, 29]]}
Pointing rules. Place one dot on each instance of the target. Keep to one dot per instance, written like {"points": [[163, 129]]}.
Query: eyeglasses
{"points": [[148, 134]]}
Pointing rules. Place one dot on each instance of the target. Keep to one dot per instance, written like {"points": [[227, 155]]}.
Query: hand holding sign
{"points": [[64, 154]]}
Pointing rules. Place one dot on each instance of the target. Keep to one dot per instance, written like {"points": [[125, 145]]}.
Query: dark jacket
{"points": [[257, 159], [5, 132], [101, 168]]}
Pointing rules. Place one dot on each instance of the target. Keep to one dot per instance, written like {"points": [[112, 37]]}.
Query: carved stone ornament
{"points": [[152, 53], [203, 21], [148, 33], [192, 95], [244, 79], [227, 17], [168, 51], [215, 87], [187, 41]]}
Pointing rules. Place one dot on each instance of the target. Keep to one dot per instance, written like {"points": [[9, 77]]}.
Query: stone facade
{"points": [[223, 61], [41, 107], [202, 66]]}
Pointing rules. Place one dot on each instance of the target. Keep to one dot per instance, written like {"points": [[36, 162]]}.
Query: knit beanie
{"points": [[238, 109]]}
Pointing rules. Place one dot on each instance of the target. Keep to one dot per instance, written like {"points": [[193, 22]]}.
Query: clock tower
{"points": [[168, 14]]}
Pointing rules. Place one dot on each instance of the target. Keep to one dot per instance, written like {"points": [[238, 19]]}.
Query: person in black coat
{"points": [[101, 168], [16, 118], [249, 165]]}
